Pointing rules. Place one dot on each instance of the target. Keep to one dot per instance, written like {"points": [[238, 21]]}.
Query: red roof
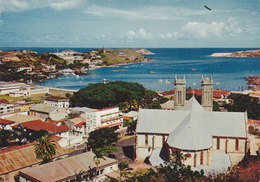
{"points": [[107, 108], [5, 121], [38, 125], [110, 125], [253, 122], [52, 122], [80, 124], [126, 118], [216, 93], [165, 93], [3, 101]]}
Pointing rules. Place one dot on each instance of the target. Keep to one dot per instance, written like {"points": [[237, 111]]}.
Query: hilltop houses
{"points": [[212, 140]]}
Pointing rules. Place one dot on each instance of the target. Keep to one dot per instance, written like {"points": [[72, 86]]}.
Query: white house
{"points": [[6, 108], [102, 118], [63, 102]]}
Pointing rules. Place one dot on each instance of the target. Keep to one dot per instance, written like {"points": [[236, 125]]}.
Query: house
{"points": [[108, 117], [45, 111], [27, 69], [6, 124], [6, 108], [64, 169], [49, 125], [63, 102], [78, 125], [212, 140], [20, 157]]}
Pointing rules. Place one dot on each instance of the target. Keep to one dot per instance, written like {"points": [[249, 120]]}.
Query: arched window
{"points": [[218, 143]]}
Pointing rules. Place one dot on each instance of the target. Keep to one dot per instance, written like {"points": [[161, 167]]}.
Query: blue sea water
{"points": [[227, 72]]}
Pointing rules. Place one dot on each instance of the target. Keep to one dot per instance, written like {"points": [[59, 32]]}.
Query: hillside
{"points": [[120, 56]]}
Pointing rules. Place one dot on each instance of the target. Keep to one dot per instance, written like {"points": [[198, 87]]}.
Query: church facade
{"points": [[211, 140]]}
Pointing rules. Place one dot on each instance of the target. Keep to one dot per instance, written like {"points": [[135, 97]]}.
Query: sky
{"points": [[130, 23]]}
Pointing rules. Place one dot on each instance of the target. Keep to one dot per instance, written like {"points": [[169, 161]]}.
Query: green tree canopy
{"points": [[102, 137], [242, 103], [126, 95]]}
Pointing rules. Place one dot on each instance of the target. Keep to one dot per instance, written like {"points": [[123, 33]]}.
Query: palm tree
{"points": [[79, 176], [45, 148], [99, 154], [124, 169]]}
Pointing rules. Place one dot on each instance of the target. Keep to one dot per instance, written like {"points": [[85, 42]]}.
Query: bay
{"points": [[227, 72]]}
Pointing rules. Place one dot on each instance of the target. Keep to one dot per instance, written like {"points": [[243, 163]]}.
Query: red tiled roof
{"points": [[3, 101], [216, 93], [52, 122], [107, 108], [38, 125], [169, 92], [80, 124], [110, 125], [253, 122], [5, 121]]}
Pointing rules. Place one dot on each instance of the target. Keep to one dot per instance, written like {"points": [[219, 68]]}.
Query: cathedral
{"points": [[212, 140]]}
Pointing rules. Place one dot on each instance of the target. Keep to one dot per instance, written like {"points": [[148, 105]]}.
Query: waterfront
{"points": [[227, 72]]}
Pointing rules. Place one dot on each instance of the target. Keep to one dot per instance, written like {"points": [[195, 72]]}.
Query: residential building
{"points": [[20, 157], [7, 87], [45, 111], [107, 117], [64, 169], [6, 108], [63, 102], [27, 69]]}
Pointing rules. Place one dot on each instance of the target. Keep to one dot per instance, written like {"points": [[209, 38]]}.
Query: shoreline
{"points": [[221, 54]]}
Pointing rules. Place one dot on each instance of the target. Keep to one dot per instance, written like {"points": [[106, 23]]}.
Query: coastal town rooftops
{"points": [[38, 125], [226, 124], [43, 108], [54, 98], [19, 118], [5, 121], [19, 157], [64, 169]]}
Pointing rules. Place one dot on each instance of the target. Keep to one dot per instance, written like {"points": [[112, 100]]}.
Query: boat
{"points": [[167, 81], [194, 69], [77, 76], [105, 81], [115, 70], [152, 72], [79, 81], [122, 70]]}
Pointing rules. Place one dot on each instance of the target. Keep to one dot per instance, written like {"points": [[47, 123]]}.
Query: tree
{"points": [[242, 103], [45, 148], [131, 126], [78, 176], [102, 137], [5, 136], [124, 169]]}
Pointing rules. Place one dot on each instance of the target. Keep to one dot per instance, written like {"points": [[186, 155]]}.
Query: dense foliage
{"points": [[242, 103], [102, 137], [127, 95]]}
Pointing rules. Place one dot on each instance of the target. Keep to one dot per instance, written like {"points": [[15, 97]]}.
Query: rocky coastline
{"points": [[250, 53]]}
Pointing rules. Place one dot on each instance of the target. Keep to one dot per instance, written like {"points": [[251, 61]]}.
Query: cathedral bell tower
{"points": [[207, 93], [179, 93]]}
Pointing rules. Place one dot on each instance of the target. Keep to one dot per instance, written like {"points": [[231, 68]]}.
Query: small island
{"points": [[250, 53]]}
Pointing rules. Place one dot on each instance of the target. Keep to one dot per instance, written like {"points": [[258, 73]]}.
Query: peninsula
{"points": [[28, 66], [251, 53]]}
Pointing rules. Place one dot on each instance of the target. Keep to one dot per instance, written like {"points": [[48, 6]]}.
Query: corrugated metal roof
{"points": [[22, 156], [64, 168], [43, 108]]}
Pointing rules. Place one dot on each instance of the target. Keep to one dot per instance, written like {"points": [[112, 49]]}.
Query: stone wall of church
{"points": [[229, 144], [145, 143]]}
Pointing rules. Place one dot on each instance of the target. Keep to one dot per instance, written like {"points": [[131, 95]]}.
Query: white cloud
{"points": [[254, 12], [24, 5], [210, 30], [144, 13], [140, 34]]}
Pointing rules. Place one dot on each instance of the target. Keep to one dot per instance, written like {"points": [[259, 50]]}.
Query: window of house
{"points": [[146, 139], [237, 144], [201, 158], [218, 143]]}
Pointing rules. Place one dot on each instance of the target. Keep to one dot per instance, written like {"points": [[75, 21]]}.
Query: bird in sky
{"points": [[207, 7]]}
